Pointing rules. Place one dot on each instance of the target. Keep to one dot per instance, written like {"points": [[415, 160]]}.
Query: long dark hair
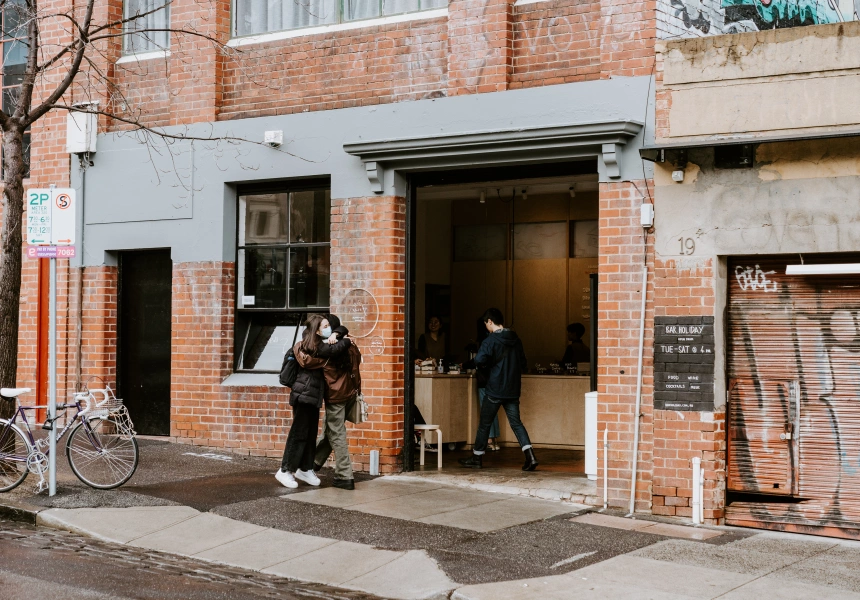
{"points": [[310, 338]]}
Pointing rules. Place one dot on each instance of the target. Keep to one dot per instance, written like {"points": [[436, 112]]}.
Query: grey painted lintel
{"points": [[508, 146]]}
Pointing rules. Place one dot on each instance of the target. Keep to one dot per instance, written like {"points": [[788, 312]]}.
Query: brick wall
{"points": [[629, 31], [250, 420], [368, 252], [555, 42], [685, 287], [623, 252], [482, 46], [375, 65]]}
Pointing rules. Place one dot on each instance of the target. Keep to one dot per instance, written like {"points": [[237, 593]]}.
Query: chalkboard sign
{"points": [[684, 363]]}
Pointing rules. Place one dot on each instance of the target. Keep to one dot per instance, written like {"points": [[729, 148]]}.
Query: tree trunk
{"points": [[10, 260]]}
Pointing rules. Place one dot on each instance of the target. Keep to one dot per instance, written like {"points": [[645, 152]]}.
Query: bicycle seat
{"points": [[14, 392]]}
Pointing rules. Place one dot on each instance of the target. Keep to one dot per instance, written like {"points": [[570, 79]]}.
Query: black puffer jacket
{"points": [[503, 355], [310, 382]]}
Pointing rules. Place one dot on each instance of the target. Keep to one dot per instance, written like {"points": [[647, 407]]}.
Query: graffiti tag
{"points": [[754, 279]]}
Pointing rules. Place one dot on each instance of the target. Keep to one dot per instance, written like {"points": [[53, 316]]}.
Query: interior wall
{"points": [[432, 253], [539, 296]]}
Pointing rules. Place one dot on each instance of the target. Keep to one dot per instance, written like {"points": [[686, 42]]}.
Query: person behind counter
{"points": [[577, 351], [432, 343], [502, 353]]}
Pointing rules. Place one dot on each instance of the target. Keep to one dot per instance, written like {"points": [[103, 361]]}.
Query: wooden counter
{"points": [[552, 408]]}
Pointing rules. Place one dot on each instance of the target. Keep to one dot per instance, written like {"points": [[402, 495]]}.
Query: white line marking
{"points": [[572, 559]]}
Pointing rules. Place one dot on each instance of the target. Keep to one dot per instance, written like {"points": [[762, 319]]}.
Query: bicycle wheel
{"points": [[100, 454], [14, 449]]}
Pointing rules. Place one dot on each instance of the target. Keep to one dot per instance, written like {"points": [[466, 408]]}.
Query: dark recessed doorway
{"points": [[143, 378]]}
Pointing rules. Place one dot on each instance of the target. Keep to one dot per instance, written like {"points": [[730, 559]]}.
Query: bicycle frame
{"points": [[20, 412]]}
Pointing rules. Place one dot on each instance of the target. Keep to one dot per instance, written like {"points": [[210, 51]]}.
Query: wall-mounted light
{"points": [[525, 194], [483, 198], [572, 191], [836, 269]]}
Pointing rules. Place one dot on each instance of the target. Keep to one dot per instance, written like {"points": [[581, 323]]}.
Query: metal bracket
{"points": [[611, 159], [375, 174]]}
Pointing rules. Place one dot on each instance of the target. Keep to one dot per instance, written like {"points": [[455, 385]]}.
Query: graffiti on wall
{"points": [[794, 408], [692, 18]]}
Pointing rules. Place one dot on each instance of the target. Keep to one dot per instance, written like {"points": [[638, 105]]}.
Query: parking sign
{"points": [[51, 216]]}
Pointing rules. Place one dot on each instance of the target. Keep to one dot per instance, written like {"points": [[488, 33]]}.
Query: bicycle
{"points": [[101, 449]]}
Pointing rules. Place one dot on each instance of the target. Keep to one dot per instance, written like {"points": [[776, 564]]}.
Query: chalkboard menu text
{"points": [[684, 363]]}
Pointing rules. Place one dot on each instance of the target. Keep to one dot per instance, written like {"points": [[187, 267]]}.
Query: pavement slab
{"points": [[412, 576], [196, 535], [776, 586], [560, 587], [493, 516], [365, 492], [662, 577], [335, 564], [601, 520], [264, 549], [756, 555], [119, 525], [416, 505]]}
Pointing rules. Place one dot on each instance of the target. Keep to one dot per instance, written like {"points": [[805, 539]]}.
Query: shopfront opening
{"points": [[527, 246]]}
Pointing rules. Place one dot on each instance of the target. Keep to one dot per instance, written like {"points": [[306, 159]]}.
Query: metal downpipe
{"points": [[636, 415]]}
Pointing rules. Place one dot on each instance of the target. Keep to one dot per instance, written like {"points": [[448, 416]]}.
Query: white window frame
{"points": [[341, 25]]}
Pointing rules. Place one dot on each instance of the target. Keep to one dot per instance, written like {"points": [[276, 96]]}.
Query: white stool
{"points": [[429, 429]]}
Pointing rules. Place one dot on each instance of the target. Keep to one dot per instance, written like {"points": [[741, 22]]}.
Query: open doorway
{"points": [[527, 246]]}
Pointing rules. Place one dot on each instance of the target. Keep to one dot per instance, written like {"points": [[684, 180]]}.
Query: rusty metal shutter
{"points": [[794, 392]]}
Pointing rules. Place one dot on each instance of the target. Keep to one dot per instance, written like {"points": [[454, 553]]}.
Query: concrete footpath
{"points": [[402, 537]]}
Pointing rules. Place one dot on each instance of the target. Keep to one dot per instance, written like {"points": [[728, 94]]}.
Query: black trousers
{"points": [[302, 439]]}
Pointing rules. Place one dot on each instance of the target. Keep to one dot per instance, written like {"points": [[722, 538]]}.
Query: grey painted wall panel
{"points": [[203, 230], [155, 184]]}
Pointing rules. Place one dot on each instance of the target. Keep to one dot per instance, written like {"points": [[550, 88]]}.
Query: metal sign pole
{"points": [[52, 382]]}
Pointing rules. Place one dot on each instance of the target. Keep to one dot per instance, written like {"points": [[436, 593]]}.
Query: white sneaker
{"points": [[309, 477], [286, 478]]}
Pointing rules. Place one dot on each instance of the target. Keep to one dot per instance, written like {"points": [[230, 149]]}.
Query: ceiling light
{"points": [[835, 269]]}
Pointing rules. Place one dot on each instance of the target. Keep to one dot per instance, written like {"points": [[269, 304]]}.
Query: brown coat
{"points": [[340, 384], [342, 377]]}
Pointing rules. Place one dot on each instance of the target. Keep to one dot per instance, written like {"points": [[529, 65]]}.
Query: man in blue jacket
{"points": [[503, 355]]}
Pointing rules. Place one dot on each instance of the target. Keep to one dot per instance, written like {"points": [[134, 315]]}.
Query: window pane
{"points": [[263, 338], [480, 242], [262, 278], [14, 18], [425, 4], [263, 219], [147, 17], [310, 216], [540, 240], [261, 16], [309, 277], [396, 7], [14, 58], [10, 99], [360, 9]]}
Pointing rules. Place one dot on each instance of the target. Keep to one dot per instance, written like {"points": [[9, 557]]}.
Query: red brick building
{"points": [[225, 240]]}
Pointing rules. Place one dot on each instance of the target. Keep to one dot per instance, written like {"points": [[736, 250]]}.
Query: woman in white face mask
{"points": [[306, 398]]}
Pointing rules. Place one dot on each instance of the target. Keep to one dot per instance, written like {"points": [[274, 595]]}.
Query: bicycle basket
{"points": [[113, 408]]}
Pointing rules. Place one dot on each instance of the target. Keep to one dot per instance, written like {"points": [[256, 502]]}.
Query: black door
{"points": [[144, 338]]}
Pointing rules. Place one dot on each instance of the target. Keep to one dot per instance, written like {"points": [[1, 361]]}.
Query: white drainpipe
{"points": [[638, 392], [697, 490]]}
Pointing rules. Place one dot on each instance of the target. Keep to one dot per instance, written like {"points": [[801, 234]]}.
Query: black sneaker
{"points": [[473, 462], [345, 484]]}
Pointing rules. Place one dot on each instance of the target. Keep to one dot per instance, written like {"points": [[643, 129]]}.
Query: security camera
{"points": [[273, 138]]}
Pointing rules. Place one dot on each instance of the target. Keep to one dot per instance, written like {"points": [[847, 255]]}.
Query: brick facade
{"points": [[486, 46]]}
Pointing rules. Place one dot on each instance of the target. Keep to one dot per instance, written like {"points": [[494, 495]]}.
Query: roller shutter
{"points": [[793, 455]]}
